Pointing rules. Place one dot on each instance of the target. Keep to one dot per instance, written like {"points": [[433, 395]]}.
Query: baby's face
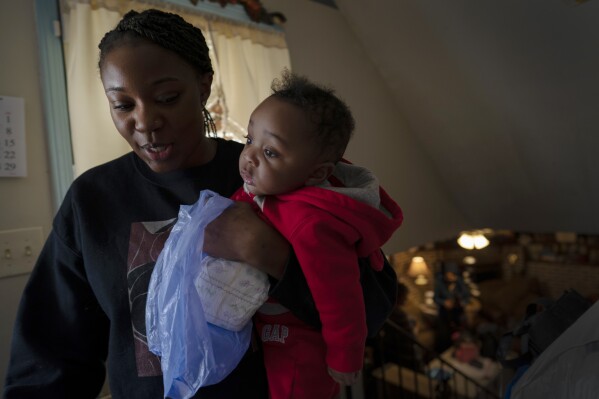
{"points": [[280, 154]]}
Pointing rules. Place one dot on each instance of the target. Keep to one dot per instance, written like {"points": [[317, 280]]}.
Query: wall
{"points": [[323, 47], [25, 202], [558, 277]]}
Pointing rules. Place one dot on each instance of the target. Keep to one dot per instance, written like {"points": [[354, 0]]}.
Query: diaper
{"points": [[230, 292]]}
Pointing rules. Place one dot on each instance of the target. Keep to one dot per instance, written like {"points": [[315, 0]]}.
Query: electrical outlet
{"points": [[19, 250]]}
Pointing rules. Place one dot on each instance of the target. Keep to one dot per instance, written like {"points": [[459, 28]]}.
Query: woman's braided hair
{"points": [[330, 116], [168, 31]]}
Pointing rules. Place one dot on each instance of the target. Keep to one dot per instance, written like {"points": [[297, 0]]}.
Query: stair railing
{"points": [[424, 374]]}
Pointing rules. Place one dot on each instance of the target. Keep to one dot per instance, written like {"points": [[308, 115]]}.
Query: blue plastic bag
{"points": [[193, 353]]}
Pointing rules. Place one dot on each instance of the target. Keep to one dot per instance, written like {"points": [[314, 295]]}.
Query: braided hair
{"points": [[330, 116], [168, 31]]}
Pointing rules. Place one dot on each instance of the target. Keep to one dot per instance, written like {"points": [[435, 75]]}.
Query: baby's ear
{"points": [[320, 173]]}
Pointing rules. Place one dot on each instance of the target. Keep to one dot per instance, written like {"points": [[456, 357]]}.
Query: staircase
{"points": [[421, 373]]}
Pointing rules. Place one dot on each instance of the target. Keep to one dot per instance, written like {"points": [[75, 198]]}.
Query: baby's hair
{"points": [[331, 117], [168, 31]]}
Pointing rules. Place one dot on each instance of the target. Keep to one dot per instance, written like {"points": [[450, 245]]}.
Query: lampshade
{"points": [[417, 267], [419, 270]]}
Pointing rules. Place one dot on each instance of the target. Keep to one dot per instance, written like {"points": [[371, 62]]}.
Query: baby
{"points": [[332, 213]]}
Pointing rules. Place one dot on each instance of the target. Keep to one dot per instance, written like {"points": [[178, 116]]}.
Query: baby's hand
{"points": [[344, 378]]}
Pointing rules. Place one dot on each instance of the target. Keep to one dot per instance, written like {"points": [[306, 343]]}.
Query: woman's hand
{"points": [[239, 234]]}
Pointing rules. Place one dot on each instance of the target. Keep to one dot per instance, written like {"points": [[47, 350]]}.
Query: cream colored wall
{"points": [[323, 47], [24, 202]]}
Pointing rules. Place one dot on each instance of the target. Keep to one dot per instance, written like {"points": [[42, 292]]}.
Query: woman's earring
{"points": [[209, 125]]}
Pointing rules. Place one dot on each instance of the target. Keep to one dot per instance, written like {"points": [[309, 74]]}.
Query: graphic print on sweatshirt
{"points": [[145, 244]]}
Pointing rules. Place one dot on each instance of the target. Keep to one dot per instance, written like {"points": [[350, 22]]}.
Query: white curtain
{"points": [[246, 59]]}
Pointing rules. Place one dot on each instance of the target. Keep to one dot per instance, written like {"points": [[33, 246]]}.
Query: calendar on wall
{"points": [[13, 154]]}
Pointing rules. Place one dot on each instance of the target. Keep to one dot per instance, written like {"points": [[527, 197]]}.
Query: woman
{"points": [[85, 302]]}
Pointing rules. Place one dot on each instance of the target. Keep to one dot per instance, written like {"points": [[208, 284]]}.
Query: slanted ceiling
{"points": [[503, 96]]}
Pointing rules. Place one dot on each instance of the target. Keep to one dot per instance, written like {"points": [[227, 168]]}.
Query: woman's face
{"points": [[156, 101]]}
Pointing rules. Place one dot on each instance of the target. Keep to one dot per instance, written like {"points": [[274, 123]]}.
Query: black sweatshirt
{"points": [[83, 309]]}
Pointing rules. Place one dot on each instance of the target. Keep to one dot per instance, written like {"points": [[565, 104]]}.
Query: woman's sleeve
{"points": [[59, 342], [292, 291], [440, 292], [379, 289]]}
